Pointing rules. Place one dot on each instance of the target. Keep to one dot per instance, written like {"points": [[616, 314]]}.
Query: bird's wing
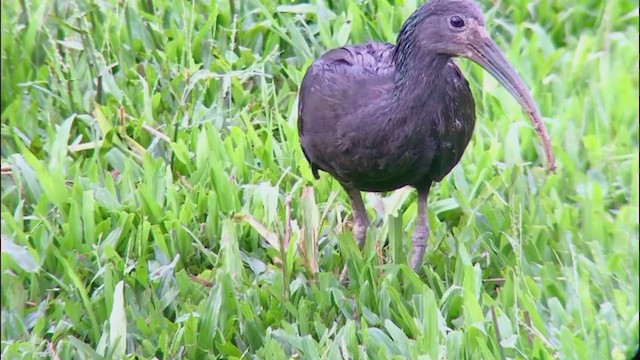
{"points": [[372, 58], [458, 113], [343, 82]]}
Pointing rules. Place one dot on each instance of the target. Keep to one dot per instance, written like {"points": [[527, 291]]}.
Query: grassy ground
{"points": [[155, 201]]}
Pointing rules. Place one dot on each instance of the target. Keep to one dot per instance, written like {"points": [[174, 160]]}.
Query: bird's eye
{"points": [[456, 21]]}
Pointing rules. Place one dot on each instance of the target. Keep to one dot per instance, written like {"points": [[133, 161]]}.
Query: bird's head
{"points": [[457, 28]]}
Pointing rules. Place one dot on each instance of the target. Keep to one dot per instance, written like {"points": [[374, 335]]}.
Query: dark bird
{"points": [[378, 117]]}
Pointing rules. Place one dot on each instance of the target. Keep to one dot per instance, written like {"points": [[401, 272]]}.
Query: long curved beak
{"points": [[486, 54]]}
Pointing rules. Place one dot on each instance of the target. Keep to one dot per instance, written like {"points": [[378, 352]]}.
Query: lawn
{"points": [[156, 202]]}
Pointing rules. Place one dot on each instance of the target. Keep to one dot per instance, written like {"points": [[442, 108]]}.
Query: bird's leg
{"points": [[421, 232], [360, 222], [360, 218]]}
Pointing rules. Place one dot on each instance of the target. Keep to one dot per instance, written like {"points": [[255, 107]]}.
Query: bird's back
{"points": [[346, 78]]}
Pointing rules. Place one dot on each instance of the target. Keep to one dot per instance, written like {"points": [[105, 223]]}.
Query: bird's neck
{"points": [[418, 76], [418, 92]]}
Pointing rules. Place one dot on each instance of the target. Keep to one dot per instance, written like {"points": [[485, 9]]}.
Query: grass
{"points": [[155, 201]]}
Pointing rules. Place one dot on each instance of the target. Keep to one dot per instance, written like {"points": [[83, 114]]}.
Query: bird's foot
{"points": [[344, 276], [419, 243], [418, 255]]}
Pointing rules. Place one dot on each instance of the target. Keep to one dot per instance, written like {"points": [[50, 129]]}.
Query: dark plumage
{"points": [[394, 150], [378, 117]]}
